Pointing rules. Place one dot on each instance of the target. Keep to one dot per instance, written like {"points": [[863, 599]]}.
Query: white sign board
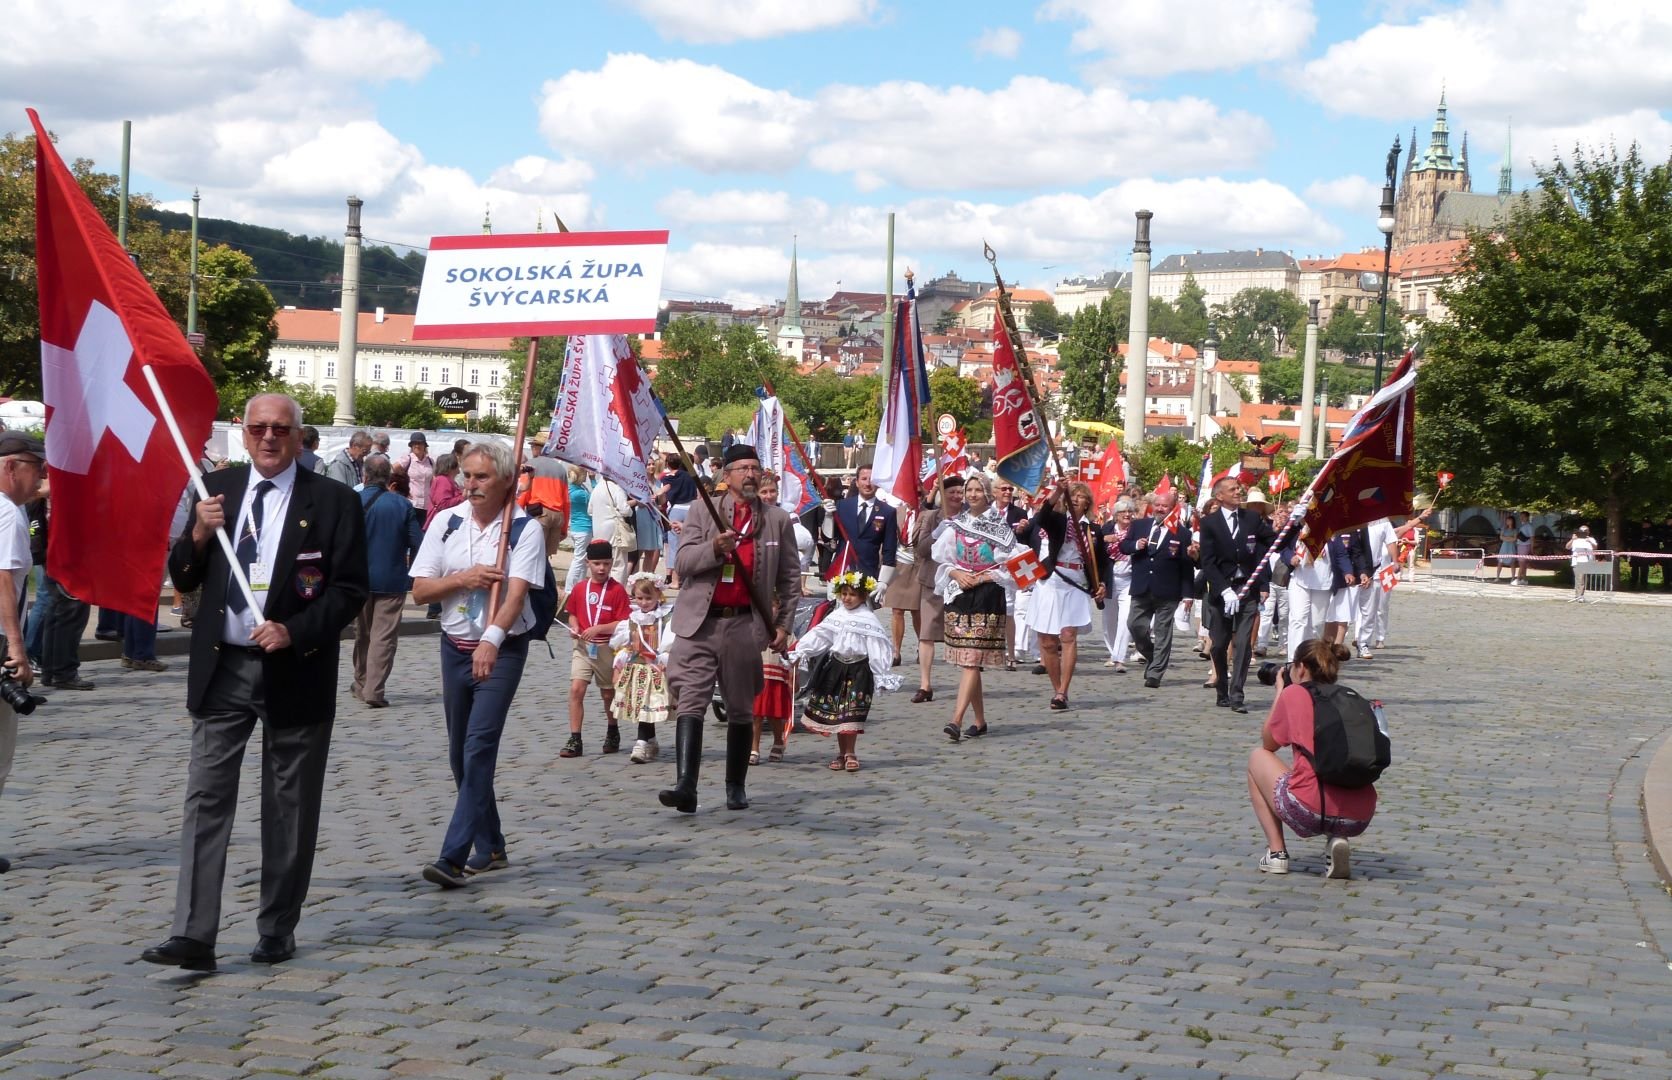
{"points": [[538, 284]]}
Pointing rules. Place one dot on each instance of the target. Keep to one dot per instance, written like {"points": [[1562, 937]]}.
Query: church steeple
{"points": [[792, 294], [1439, 141], [487, 221], [1463, 155], [1411, 155], [1506, 178]]}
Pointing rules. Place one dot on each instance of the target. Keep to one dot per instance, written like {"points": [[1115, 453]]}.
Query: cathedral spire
{"points": [[792, 294], [487, 221], [1506, 178], [1439, 140], [1411, 156]]}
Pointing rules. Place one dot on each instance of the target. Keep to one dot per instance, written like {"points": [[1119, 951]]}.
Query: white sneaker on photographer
{"points": [[1275, 862], [1338, 859]]}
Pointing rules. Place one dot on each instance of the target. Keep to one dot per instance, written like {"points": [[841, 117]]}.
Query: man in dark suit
{"points": [[1234, 543], [302, 543], [1163, 573], [869, 526]]}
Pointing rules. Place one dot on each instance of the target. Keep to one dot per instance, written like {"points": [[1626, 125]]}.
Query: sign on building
{"points": [[456, 400]]}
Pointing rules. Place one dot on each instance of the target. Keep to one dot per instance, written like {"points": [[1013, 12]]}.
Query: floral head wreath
{"points": [[858, 580], [643, 575]]}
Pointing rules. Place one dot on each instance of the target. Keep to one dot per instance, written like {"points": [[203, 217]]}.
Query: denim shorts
{"points": [[1304, 820]]}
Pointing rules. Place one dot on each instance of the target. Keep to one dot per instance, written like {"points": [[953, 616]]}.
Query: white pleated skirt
{"points": [[1057, 604]]}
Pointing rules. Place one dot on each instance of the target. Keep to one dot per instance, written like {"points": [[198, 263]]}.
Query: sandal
{"points": [[837, 763], [754, 757], [852, 763], [1059, 703], [973, 732], [953, 732], [776, 753], [1010, 665]]}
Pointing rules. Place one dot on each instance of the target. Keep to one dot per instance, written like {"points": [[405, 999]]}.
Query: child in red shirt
{"points": [[1284, 795], [594, 607]]}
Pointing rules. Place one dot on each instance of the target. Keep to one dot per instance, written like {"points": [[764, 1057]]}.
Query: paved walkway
{"points": [[1073, 896]]}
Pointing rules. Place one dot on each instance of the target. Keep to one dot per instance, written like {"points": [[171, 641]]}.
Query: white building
{"points": [[1223, 274], [305, 354]]}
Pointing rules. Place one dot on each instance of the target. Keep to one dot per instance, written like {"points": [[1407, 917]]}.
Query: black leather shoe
{"points": [[1237, 706], [1222, 702], [181, 952], [5, 864], [273, 950], [1152, 684], [687, 756]]}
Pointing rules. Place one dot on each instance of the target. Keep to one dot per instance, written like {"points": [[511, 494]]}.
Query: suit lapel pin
{"points": [[302, 524]]}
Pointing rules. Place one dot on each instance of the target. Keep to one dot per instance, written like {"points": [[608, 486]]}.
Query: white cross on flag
{"points": [[1090, 470], [115, 472], [1026, 569]]}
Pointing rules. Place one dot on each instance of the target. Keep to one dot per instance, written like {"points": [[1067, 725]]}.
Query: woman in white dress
{"points": [[1062, 603]]}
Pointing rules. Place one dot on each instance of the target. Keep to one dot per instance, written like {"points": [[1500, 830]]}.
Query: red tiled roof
{"points": [[309, 325], [1238, 367], [1160, 346], [1439, 257]]}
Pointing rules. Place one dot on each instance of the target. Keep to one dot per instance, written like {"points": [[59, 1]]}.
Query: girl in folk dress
{"points": [[852, 656], [970, 551], [641, 642]]}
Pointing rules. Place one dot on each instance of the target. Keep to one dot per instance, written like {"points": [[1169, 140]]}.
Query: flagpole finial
{"points": [[988, 253], [909, 276]]}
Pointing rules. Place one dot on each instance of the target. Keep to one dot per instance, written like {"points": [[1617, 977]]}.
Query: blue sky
{"points": [[738, 123]]}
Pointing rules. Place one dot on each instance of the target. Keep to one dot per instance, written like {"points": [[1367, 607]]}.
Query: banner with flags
{"points": [[1018, 444], [606, 418], [897, 464], [1372, 473], [115, 471], [799, 473]]}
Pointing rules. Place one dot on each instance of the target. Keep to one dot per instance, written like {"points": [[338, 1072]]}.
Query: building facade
{"points": [[1223, 274]]}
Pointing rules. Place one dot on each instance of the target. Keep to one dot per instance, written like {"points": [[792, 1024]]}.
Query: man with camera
{"points": [[22, 463], [1234, 543]]}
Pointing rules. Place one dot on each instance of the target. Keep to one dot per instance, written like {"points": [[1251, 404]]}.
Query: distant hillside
{"points": [[306, 271]]}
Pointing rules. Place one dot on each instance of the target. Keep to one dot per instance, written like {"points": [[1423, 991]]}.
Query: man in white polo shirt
{"points": [[22, 462], [482, 651]]}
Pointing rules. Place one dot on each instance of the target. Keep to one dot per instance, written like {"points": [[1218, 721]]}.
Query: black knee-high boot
{"points": [[739, 738], [687, 755]]}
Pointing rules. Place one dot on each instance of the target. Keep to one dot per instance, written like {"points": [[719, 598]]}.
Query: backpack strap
{"points": [[453, 523]]}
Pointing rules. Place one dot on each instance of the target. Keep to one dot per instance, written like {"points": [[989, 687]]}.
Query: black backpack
{"points": [[1350, 745], [543, 600]]}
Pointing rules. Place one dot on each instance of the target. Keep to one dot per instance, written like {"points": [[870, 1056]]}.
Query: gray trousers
{"points": [[8, 742], [292, 783], [723, 651], [376, 634], [1154, 645]]}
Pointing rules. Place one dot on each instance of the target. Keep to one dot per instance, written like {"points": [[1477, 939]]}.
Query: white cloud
{"points": [[1145, 39], [1543, 62], [999, 41], [714, 22], [637, 111], [760, 208], [1544, 143], [1346, 192]]}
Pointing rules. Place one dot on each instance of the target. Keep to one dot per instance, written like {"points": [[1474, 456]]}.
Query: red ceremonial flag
{"points": [[1388, 577], [1372, 473], [1111, 474], [1166, 484], [1026, 569], [1018, 444], [116, 474]]}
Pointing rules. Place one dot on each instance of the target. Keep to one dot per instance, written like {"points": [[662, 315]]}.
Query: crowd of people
{"points": [[771, 620]]}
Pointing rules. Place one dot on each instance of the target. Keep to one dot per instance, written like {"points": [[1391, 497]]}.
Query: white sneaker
{"points": [[644, 752], [1111, 662], [1338, 860], [1380, 643], [1365, 654], [1275, 862]]}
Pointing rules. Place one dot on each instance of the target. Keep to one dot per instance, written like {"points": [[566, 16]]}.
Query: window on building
{"points": [[423, 374], [442, 375], [302, 368], [475, 376], [278, 369], [330, 369], [493, 408], [377, 373], [493, 377], [400, 374]]}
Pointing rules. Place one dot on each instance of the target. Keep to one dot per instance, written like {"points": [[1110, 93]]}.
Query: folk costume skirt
{"points": [[839, 692], [974, 631]]}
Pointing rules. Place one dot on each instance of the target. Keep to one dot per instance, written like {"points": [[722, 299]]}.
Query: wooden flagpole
{"points": [[516, 472], [1022, 364]]}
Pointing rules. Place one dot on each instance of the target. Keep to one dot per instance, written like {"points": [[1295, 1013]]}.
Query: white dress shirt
{"points": [[464, 614], [239, 625]]}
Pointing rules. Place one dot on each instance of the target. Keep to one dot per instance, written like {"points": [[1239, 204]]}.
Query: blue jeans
{"points": [[475, 720], [61, 647], [34, 628], [139, 637], [110, 621]]}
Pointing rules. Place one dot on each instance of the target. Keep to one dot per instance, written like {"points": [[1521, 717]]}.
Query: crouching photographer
{"points": [[22, 461], [1339, 747]]}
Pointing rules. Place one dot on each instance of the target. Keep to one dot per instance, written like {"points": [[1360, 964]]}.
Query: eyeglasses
{"points": [[262, 431], [741, 467]]}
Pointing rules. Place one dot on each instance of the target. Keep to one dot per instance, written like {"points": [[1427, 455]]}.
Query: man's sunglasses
{"points": [[277, 431]]}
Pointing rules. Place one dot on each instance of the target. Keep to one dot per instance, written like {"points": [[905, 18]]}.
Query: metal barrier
{"points": [[1457, 568], [1596, 574]]}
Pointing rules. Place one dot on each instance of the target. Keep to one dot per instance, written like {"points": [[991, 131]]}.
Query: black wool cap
{"points": [[599, 549], [741, 452]]}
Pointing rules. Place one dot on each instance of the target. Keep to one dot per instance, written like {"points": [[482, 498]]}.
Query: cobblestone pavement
{"points": [[1073, 896]]}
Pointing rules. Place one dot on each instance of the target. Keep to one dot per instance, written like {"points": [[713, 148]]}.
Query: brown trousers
{"points": [[375, 636], [720, 652]]}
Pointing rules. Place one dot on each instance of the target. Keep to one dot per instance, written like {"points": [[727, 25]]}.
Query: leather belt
{"points": [[722, 611]]}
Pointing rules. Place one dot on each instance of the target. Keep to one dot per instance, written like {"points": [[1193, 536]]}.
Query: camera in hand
{"points": [[1271, 673], [13, 693]]}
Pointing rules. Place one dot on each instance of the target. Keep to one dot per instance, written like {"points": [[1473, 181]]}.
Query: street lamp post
{"points": [[1385, 222]]}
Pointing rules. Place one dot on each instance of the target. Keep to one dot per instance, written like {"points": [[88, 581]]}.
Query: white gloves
{"points": [[1229, 596]]}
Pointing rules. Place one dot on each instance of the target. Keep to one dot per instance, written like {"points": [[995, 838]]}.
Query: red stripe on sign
{"points": [[540, 240], [544, 328]]}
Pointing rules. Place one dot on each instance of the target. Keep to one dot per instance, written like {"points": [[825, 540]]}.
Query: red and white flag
{"points": [[897, 463], [1026, 569], [116, 474], [1278, 481], [955, 457], [606, 418], [1111, 473], [1387, 577], [1445, 478], [1091, 471]]}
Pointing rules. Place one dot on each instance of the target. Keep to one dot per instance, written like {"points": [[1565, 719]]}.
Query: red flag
{"points": [[1091, 471], [1445, 478], [1018, 444], [955, 458], [1026, 569], [116, 474], [1372, 473], [1111, 476], [1166, 484], [1388, 577], [1279, 481]]}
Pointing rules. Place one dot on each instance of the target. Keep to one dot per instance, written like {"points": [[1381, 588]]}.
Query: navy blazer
{"points": [[1335, 551], [1163, 570], [876, 541], [1229, 563], [393, 533]]}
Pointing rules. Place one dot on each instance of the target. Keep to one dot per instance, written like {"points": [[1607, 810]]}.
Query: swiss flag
{"points": [[1090, 471], [1111, 474], [1387, 577], [1445, 478], [116, 474], [1026, 569], [1278, 481]]}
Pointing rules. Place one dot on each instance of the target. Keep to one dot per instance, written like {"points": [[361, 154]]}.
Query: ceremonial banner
{"points": [[777, 453], [1372, 473], [1018, 444], [1204, 488], [897, 466], [539, 284], [115, 472], [606, 418], [1111, 474]]}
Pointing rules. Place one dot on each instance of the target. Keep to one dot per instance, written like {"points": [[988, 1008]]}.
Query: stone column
{"points": [[1308, 383], [1137, 348], [349, 333]]}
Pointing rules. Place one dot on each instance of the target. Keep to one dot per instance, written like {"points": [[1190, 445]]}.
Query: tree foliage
{"points": [[1185, 320], [1281, 380], [548, 369], [1090, 359], [411, 407], [950, 392], [1551, 383], [1259, 324], [1045, 320], [1354, 334], [704, 366]]}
